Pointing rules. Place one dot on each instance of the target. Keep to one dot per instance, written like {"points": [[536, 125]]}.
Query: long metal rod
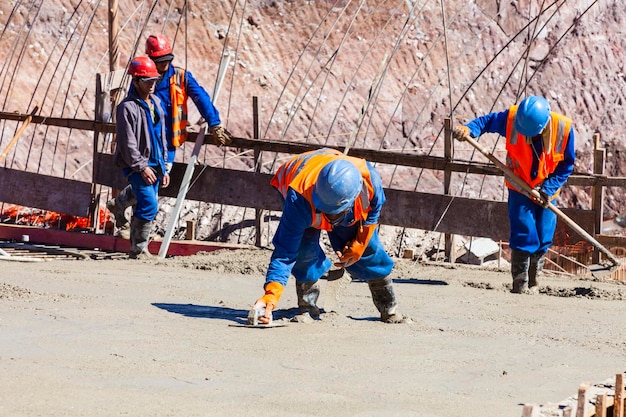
{"points": [[528, 191], [182, 194]]}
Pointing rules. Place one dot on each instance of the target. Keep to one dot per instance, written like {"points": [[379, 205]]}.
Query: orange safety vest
{"points": [[520, 154], [301, 173], [178, 96]]}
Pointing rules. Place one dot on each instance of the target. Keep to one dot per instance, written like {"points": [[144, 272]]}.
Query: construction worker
{"points": [[540, 151], [141, 149], [174, 87], [326, 190]]}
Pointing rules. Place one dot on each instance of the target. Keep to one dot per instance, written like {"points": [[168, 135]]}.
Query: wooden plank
{"points": [[107, 242], [19, 132], [450, 245], [530, 410], [45, 192], [601, 405], [80, 124], [597, 192], [403, 208], [618, 401], [582, 400], [251, 189], [373, 155]]}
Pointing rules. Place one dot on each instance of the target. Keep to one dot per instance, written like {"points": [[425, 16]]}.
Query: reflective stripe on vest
{"points": [[301, 173], [178, 96], [520, 154]]}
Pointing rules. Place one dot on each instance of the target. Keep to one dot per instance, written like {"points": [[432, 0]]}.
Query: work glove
{"points": [[461, 133], [353, 251], [540, 197], [220, 136], [273, 292]]}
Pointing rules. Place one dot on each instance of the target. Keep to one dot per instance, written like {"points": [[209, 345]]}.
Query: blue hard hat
{"points": [[338, 185], [533, 114]]}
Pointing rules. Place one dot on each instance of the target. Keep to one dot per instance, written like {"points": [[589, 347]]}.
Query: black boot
{"points": [[519, 270], [535, 267], [139, 238], [308, 293], [384, 299]]}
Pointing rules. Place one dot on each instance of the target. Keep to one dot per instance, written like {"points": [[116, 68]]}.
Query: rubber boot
{"points": [[519, 271], [139, 238], [308, 293], [534, 269], [117, 206], [384, 299]]}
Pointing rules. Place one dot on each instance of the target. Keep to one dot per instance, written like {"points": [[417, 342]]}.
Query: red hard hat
{"points": [[157, 45], [142, 66]]}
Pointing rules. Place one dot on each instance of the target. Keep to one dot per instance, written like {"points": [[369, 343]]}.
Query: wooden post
{"points": [[597, 195], [106, 98], [258, 213], [582, 400], [530, 410], [190, 230], [618, 403], [601, 405], [450, 247], [114, 52]]}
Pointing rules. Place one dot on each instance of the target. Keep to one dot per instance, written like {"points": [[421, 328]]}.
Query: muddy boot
{"points": [[385, 301], [139, 238], [308, 293], [117, 206], [124, 231], [519, 271], [534, 269]]}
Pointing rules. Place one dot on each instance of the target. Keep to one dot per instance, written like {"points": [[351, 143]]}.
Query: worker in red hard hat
{"points": [[343, 195], [175, 85], [540, 151], [141, 150]]}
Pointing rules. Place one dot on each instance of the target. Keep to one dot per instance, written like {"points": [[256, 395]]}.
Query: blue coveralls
{"points": [[297, 249], [196, 92], [532, 226]]}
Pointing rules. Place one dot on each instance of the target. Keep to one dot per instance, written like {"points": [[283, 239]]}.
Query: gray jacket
{"points": [[133, 133]]}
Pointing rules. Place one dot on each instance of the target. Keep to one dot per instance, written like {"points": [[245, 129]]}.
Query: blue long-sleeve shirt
{"points": [[297, 217], [496, 123], [195, 91]]}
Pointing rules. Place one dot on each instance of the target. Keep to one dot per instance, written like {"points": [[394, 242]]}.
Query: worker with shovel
{"points": [[141, 150], [343, 195], [540, 152], [174, 86]]}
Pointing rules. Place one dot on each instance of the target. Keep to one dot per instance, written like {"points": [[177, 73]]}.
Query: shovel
{"points": [[529, 192]]}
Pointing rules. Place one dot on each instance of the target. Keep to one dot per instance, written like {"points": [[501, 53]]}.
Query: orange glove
{"points": [[354, 250], [461, 132], [273, 291]]}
